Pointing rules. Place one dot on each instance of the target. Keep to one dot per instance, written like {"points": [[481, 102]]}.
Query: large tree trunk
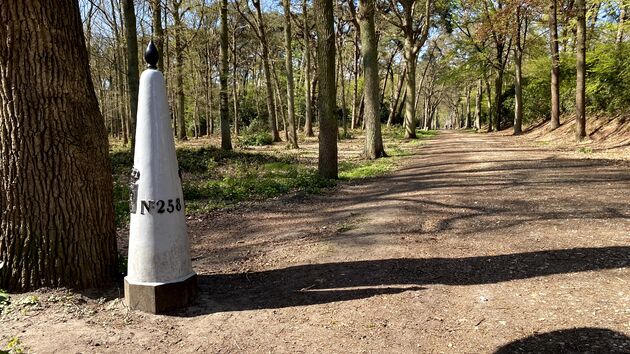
{"points": [[57, 220], [133, 78], [555, 66], [369, 51], [410, 98], [308, 120], [328, 130], [289, 64], [271, 108], [226, 139], [580, 88]]}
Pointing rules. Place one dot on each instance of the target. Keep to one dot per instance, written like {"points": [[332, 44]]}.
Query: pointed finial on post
{"points": [[151, 56]]}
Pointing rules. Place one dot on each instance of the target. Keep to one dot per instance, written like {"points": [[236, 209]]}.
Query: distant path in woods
{"points": [[477, 243]]}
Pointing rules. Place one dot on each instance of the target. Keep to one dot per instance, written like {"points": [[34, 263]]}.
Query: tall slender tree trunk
{"points": [[478, 98], [209, 118], [278, 102], [410, 98], [490, 106], [498, 99], [518, 93], [289, 64], [179, 72], [521, 32], [235, 95], [580, 65], [355, 88], [271, 107], [388, 72], [369, 51], [393, 110], [226, 139], [133, 76], [555, 65], [308, 96], [56, 215], [328, 130], [344, 122], [467, 108], [158, 32]]}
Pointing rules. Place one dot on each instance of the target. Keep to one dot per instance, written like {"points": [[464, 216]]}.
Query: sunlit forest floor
{"points": [[476, 243]]}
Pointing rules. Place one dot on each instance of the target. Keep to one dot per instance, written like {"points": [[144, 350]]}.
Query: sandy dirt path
{"points": [[476, 245]]}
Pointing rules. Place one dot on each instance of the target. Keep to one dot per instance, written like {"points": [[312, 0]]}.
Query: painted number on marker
{"points": [[160, 206]]}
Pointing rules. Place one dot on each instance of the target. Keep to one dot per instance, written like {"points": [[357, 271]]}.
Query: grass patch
{"points": [[365, 169], [585, 150], [213, 178], [398, 132]]}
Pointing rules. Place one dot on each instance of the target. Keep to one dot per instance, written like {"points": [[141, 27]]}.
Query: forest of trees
{"points": [[465, 63], [275, 70]]}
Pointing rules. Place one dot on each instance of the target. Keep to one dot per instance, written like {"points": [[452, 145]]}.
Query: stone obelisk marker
{"points": [[159, 275]]}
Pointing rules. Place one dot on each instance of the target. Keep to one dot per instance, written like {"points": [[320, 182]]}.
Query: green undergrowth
{"points": [[356, 170], [398, 132], [213, 178]]}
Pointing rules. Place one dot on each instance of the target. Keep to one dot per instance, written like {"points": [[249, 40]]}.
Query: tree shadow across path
{"points": [[331, 282], [574, 340]]}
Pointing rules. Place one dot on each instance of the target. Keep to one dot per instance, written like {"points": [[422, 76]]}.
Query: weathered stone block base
{"points": [[158, 298]]}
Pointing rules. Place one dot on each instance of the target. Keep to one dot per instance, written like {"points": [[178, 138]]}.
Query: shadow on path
{"points": [[324, 283], [576, 340]]}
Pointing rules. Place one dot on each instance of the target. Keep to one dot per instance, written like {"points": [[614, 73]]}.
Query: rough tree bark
{"points": [[158, 32], [580, 66], [235, 93], [133, 76], [326, 102], [226, 139], [555, 65], [467, 108], [415, 31], [393, 109], [478, 104], [289, 64], [369, 51], [179, 71], [262, 36], [522, 22], [57, 220], [308, 121]]}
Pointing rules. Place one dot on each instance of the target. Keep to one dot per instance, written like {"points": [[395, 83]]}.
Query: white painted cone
{"points": [[159, 250]]}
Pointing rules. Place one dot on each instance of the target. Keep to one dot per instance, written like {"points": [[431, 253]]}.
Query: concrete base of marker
{"points": [[160, 298]]}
